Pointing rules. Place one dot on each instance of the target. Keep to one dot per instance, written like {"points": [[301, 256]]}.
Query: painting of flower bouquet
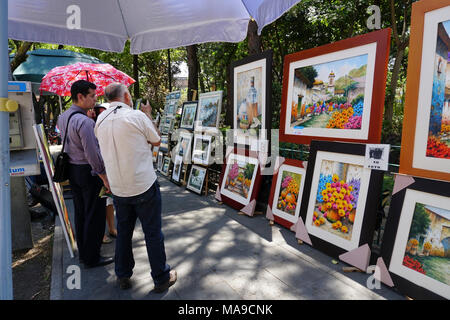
{"points": [[337, 198], [428, 248], [289, 192]]}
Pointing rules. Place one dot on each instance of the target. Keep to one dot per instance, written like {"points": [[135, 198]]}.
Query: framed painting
{"points": [[240, 179], [196, 179], [286, 192], [416, 240], [208, 113], [164, 146], [165, 166], [55, 188], [155, 151], [425, 148], [201, 153], [160, 160], [336, 91], [177, 168], [252, 92], [340, 197], [183, 147], [188, 115]]}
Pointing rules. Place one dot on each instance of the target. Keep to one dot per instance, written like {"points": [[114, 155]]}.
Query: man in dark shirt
{"points": [[86, 174]]}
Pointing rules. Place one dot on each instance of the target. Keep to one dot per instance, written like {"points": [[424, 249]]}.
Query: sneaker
{"points": [[124, 283], [169, 283]]}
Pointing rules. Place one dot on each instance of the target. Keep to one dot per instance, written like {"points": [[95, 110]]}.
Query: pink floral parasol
{"points": [[60, 79]]}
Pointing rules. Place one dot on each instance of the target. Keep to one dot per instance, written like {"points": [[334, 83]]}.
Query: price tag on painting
{"points": [[377, 156]]}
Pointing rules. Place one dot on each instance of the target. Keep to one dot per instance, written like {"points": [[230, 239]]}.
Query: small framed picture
{"points": [[155, 151], [340, 197], [160, 160], [209, 109], [165, 166], [177, 168], [240, 178], [336, 91], [183, 147], [201, 153], [188, 115], [251, 91], [164, 145], [286, 192], [416, 240], [196, 179], [425, 148]]}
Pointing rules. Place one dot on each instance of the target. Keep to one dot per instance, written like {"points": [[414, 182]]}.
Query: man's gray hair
{"points": [[115, 91]]}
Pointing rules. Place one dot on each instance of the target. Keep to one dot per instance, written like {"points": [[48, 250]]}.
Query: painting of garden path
{"points": [[329, 95]]}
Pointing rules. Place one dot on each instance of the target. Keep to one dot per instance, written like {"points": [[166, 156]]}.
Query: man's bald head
{"points": [[117, 92]]}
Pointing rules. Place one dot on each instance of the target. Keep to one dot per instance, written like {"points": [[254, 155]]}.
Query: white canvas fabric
{"points": [[149, 24]]}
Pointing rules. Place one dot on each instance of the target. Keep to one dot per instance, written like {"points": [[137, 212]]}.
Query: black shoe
{"points": [[103, 261], [163, 287], [124, 283]]}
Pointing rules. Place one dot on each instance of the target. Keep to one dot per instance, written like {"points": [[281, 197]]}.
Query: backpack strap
{"points": [[67, 129]]}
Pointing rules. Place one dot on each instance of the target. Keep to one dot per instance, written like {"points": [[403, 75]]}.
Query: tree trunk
{"points": [[389, 108], [192, 62], [136, 76], [21, 55], [169, 70], [253, 39]]}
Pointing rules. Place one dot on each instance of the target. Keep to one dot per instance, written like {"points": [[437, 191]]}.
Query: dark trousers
{"points": [[90, 212], [146, 207]]}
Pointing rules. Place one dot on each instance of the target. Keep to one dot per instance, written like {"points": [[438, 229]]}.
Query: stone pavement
{"points": [[218, 254]]}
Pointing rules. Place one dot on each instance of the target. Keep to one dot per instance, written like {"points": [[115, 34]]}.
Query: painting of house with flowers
{"points": [[239, 178], [438, 145], [337, 198], [428, 248], [329, 95]]}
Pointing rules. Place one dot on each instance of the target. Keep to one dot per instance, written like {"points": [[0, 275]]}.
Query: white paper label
{"points": [[377, 156]]}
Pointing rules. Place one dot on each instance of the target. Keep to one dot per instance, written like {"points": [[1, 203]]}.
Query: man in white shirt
{"points": [[125, 137]]}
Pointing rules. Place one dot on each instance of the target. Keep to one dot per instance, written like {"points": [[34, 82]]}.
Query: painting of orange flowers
{"points": [[337, 198]]}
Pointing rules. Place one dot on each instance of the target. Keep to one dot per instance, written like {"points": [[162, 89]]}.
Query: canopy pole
{"points": [[60, 105], [6, 288]]}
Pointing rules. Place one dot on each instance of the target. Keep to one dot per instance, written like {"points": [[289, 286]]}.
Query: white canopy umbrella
{"points": [[106, 25], [149, 24]]}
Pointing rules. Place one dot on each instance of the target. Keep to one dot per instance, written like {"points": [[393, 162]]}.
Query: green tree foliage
{"points": [[310, 73], [420, 223]]}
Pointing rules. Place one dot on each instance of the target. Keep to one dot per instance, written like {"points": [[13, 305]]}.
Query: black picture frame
{"points": [[406, 286], [268, 57], [199, 167], [370, 207], [191, 128]]}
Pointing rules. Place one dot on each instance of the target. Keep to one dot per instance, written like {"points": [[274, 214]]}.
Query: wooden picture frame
{"points": [[196, 185], [286, 212], [322, 110], [425, 148], [203, 121], [346, 220], [187, 110], [419, 268], [234, 199], [252, 73]]}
